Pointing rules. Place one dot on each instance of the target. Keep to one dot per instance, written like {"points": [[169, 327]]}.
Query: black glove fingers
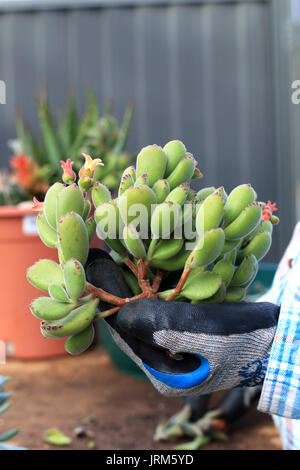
{"points": [[143, 317], [101, 271]]}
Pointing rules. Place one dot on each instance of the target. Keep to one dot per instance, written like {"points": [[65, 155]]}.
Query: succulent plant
{"points": [[170, 242], [107, 139], [68, 135], [4, 405]]}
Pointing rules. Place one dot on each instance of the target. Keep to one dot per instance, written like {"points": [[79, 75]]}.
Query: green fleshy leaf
{"points": [[44, 273], [58, 293], [56, 438]]}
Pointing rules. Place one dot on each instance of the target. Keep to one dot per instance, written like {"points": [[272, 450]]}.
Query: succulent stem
{"points": [[98, 293], [105, 296], [157, 280], [106, 313], [151, 249], [131, 266], [114, 310], [143, 278], [181, 282]]}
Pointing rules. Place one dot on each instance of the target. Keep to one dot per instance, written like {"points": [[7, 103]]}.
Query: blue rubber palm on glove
{"points": [[185, 348]]}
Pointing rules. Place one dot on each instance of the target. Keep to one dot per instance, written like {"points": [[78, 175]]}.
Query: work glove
{"points": [[212, 346], [185, 348]]}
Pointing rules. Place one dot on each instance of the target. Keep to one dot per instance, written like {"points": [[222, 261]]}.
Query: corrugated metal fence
{"points": [[296, 108], [212, 73]]}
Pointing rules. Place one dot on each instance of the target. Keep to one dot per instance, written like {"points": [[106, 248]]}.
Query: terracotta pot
{"points": [[20, 247]]}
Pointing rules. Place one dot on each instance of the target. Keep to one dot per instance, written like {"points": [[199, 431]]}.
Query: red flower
{"points": [[25, 170], [268, 210], [27, 174]]}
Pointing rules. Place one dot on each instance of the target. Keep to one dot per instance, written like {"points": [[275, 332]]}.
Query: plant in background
{"points": [[209, 243], [31, 177], [4, 405], [36, 165], [11, 192], [107, 139]]}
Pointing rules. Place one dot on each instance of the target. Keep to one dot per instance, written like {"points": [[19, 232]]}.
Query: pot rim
{"points": [[17, 211]]}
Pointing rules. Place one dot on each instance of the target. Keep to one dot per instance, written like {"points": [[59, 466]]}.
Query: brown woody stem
{"points": [[157, 280], [143, 278], [147, 290], [112, 311], [131, 266], [98, 293], [181, 282], [140, 296], [105, 296]]}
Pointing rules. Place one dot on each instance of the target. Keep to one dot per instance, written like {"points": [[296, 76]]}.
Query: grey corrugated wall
{"points": [[212, 73], [296, 108]]}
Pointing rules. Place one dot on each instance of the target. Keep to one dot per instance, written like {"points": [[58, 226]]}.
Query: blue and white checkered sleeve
{"points": [[281, 389]]}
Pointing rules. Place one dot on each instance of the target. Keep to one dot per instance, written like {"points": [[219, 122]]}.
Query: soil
{"points": [[123, 411]]}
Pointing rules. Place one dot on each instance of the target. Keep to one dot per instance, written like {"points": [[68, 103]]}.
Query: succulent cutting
{"points": [[170, 242]]}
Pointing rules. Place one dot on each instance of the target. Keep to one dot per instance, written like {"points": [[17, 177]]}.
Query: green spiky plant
{"points": [[107, 140], [68, 135], [4, 405], [213, 262]]}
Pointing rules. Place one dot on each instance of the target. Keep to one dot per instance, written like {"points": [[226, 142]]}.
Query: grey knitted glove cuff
{"points": [[219, 346], [235, 360]]}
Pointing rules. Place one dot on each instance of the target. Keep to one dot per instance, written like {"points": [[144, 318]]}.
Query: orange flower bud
{"points": [[87, 171], [69, 175]]}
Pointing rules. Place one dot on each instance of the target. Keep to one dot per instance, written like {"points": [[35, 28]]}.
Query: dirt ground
{"points": [[57, 393]]}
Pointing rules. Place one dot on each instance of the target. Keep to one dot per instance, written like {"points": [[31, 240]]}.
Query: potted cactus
{"points": [[169, 241], [36, 165]]}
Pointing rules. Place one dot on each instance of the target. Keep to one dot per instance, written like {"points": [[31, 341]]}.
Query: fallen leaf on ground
{"points": [[56, 438]]}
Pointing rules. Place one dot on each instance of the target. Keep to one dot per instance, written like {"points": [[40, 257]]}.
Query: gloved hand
{"points": [[217, 346], [213, 346]]}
